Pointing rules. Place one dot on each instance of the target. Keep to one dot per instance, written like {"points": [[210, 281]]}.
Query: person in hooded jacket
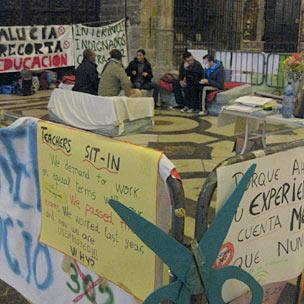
{"points": [[214, 78], [140, 72], [87, 77]]}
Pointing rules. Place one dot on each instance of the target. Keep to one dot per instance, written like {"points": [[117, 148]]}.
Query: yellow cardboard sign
{"points": [[79, 172]]}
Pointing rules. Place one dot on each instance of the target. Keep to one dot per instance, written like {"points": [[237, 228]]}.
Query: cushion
{"points": [[227, 86]]}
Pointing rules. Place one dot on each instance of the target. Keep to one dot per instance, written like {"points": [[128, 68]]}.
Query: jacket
{"points": [[193, 73], [132, 71], [114, 79], [86, 78], [215, 75]]}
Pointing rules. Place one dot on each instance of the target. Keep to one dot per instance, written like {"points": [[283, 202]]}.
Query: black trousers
{"points": [[188, 96], [27, 87], [152, 85]]}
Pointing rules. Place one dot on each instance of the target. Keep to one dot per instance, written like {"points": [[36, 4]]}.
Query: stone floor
{"points": [[196, 146]]}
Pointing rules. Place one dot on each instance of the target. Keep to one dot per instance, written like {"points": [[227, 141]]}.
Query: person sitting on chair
{"points": [[26, 83], [140, 72], [213, 79]]}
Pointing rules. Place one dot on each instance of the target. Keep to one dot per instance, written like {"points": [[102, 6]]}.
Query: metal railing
{"points": [[275, 76], [255, 68], [242, 66]]}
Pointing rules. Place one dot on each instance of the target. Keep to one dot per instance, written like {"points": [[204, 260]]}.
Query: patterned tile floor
{"points": [[195, 145]]}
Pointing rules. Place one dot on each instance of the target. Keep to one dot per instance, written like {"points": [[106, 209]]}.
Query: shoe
{"points": [[203, 113], [170, 108], [190, 111], [185, 109]]}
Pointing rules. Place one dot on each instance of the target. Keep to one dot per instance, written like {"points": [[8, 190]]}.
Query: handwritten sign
{"points": [[35, 47], [79, 172], [41, 274], [101, 40], [267, 235]]}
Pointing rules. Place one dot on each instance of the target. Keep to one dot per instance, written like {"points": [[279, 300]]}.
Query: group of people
{"points": [[195, 81], [114, 78], [190, 89]]}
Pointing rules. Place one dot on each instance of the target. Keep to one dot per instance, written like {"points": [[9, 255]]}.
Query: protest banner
{"points": [[101, 40], [79, 172], [267, 235], [35, 270], [35, 47]]}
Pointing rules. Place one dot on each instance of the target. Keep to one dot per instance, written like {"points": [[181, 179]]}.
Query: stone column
{"points": [[133, 26], [150, 27], [165, 36], [156, 37]]}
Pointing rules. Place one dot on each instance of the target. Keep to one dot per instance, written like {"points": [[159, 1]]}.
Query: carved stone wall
{"points": [[250, 22]]}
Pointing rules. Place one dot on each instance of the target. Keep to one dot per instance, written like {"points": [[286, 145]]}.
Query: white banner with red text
{"points": [[36, 47]]}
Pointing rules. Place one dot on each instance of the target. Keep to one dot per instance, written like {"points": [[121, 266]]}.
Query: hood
{"points": [[211, 70]]}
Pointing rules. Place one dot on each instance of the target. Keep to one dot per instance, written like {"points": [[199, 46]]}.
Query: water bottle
{"points": [[288, 102]]}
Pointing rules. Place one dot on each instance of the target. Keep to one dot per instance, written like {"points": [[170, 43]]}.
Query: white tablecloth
{"points": [[91, 112]]}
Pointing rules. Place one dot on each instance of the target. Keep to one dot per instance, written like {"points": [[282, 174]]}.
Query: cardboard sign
{"points": [[35, 47], [79, 172], [41, 274], [267, 235], [101, 40]]}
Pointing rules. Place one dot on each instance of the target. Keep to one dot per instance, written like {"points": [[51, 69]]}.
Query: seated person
{"points": [[87, 75], [25, 87], [114, 78], [187, 88], [213, 79], [166, 93], [140, 72]]}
